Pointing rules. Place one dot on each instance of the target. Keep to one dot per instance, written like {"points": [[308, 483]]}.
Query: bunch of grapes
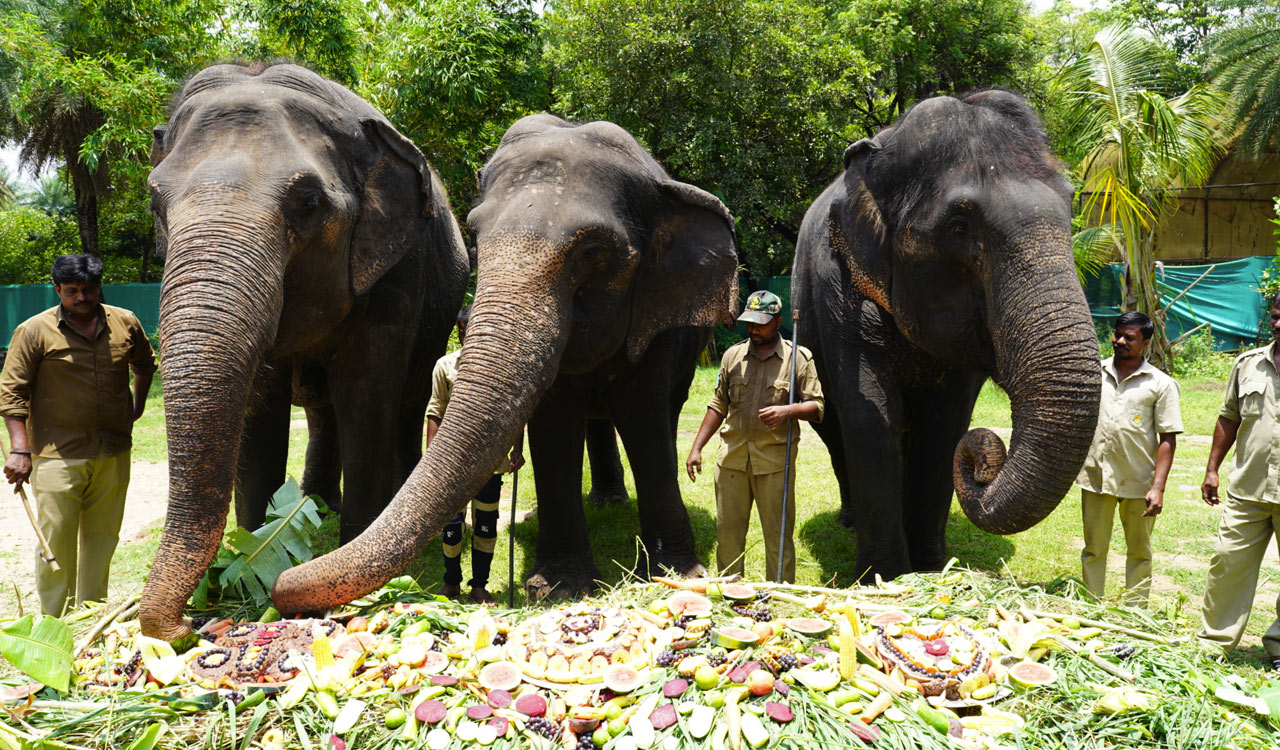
{"points": [[788, 661], [198, 623], [500, 639], [763, 596], [684, 620], [761, 615], [132, 665], [1123, 651], [234, 697], [584, 742], [545, 727], [717, 657], [669, 658]]}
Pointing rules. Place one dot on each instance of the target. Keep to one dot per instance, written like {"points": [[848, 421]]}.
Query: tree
{"points": [[83, 76], [315, 33], [1246, 62], [923, 48], [1137, 144], [1185, 27], [452, 76], [50, 196], [748, 99], [8, 187]]}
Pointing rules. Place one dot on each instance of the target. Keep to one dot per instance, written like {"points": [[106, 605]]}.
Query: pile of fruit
{"points": [[673, 664]]}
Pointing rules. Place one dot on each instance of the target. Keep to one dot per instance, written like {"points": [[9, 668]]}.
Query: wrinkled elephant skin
{"points": [[310, 255], [939, 258], [599, 279]]}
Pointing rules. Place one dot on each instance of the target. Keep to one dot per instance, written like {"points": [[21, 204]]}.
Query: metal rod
{"points": [[511, 541], [786, 467]]}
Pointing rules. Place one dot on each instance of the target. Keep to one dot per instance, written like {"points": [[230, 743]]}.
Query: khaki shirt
{"points": [[1251, 401], [443, 377], [1131, 417], [73, 391], [746, 385]]}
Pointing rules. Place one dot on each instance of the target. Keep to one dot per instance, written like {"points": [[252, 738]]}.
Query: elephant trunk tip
{"points": [[979, 457]]}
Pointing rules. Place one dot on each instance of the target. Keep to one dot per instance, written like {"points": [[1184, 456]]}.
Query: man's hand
{"points": [[516, 461], [17, 469], [1155, 503], [772, 416], [1209, 488], [693, 464]]}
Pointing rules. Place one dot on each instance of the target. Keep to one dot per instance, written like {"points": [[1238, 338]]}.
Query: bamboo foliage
{"points": [[1139, 145]]}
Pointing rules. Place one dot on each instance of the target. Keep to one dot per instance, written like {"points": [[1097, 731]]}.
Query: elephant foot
{"points": [[679, 565], [607, 496], [562, 579], [846, 517]]}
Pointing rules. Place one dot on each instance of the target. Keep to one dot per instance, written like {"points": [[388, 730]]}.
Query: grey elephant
{"points": [[310, 253], [939, 258], [599, 280]]}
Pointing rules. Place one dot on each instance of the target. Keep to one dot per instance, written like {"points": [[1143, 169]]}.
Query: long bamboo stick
{"points": [[1109, 626], [105, 622]]}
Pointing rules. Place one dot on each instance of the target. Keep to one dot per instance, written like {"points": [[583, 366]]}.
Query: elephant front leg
{"points": [[322, 474], [564, 567], [608, 486], [264, 447], [936, 419]]}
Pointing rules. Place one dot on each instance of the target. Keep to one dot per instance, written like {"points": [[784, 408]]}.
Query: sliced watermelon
{"points": [[738, 592], [811, 626], [500, 675], [733, 638], [882, 619], [621, 678], [688, 603], [1029, 674]]}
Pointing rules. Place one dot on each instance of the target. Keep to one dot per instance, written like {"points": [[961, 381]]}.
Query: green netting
{"points": [[1227, 299], [17, 303]]}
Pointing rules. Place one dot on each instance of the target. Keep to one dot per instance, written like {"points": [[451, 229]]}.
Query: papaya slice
{"points": [[688, 603], [500, 675]]}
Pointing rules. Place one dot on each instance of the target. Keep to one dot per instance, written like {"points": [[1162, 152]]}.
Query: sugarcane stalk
{"points": [[105, 622], [1109, 626]]}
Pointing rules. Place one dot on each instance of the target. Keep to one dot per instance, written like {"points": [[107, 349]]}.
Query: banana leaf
{"points": [[40, 649], [250, 561]]}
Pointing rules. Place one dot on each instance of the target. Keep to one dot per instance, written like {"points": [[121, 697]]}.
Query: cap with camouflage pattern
{"points": [[762, 307]]}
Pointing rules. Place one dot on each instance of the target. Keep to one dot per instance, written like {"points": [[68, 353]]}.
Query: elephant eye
{"points": [[959, 226]]}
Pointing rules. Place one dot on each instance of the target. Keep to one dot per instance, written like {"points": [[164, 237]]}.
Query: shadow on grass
{"points": [[835, 548]]}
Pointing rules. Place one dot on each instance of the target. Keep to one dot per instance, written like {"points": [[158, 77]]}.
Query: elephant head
{"points": [[958, 222], [586, 251], [279, 199]]}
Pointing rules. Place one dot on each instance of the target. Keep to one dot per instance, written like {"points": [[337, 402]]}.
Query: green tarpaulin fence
{"points": [[17, 303], [1226, 298]]}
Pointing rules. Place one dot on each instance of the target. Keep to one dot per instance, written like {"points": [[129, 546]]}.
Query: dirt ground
{"points": [[144, 506]]}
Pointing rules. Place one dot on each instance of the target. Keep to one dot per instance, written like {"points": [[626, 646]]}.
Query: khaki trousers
{"points": [[735, 491], [1098, 512], [79, 505], [1243, 534]]}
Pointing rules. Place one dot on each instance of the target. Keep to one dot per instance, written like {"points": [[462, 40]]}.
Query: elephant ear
{"points": [[688, 274], [395, 204], [856, 226]]}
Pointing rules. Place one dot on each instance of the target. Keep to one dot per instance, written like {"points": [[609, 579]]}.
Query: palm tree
{"points": [[8, 187], [51, 196], [1137, 145], [1245, 60]]}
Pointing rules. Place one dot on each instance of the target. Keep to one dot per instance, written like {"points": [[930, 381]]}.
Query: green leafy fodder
{"points": [[40, 648]]}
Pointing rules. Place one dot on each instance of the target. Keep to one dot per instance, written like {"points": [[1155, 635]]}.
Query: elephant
{"points": [[939, 258], [310, 253], [598, 282]]}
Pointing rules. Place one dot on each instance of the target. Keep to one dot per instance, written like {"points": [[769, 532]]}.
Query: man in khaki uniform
{"points": [[1138, 423], [65, 400], [484, 507], [1251, 514], [751, 402]]}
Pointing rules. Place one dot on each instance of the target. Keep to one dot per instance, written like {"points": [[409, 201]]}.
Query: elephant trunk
{"points": [[219, 305], [1047, 360], [515, 339]]}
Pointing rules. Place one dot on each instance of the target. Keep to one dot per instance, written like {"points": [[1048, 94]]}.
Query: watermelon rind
{"points": [[737, 592], [810, 626], [734, 638]]}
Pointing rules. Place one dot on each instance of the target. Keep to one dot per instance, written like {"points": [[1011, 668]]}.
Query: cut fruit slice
{"points": [[882, 619], [811, 626], [621, 678], [531, 704], [1030, 674], [732, 638], [500, 675], [688, 603], [435, 663], [738, 592]]}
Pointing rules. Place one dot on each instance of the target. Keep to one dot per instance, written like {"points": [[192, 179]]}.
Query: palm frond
{"points": [[1245, 60], [1092, 248]]}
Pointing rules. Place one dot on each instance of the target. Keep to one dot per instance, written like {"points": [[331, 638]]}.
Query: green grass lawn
{"points": [[1047, 554]]}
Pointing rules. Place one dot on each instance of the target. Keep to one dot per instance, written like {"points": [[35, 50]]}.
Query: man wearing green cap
{"points": [[752, 404]]}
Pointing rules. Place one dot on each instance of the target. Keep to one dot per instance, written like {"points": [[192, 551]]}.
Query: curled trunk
{"points": [[512, 355], [218, 308], [1047, 361]]}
